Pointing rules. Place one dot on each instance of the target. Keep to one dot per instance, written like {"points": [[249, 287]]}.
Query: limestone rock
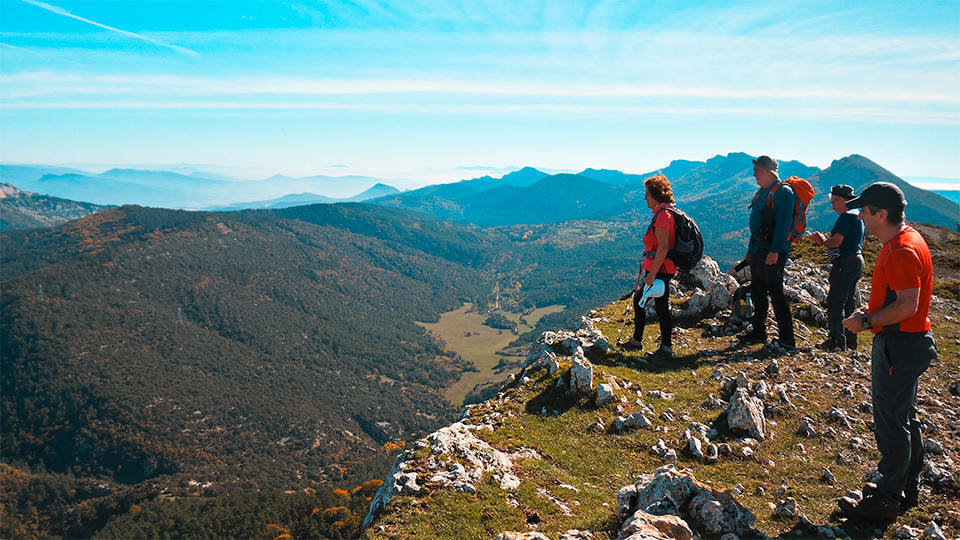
{"points": [[660, 450], [532, 535], [694, 446], [827, 476], [745, 414], [394, 485], [933, 531], [631, 421], [713, 402], [669, 492], [574, 534], [906, 532], [806, 428], [644, 526], [786, 509], [605, 394], [581, 374]]}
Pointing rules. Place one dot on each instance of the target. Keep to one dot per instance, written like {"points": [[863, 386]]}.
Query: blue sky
{"points": [[417, 89]]}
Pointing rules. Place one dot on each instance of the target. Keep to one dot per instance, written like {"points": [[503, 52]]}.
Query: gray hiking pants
{"points": [[899, 358], [843, 298]]}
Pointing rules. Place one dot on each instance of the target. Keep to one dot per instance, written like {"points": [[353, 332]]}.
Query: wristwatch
{"points": [[865, 322]]}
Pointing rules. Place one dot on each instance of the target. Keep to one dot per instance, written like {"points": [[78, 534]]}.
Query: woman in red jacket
{"points": [[660, 237]]}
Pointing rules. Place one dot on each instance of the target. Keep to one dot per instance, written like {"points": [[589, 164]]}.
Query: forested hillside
{"points": [[150, 353]]}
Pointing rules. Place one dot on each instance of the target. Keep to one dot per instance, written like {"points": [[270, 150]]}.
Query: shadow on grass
{"points": [[639, 362]]}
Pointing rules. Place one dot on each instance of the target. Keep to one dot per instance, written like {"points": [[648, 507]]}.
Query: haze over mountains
{"points": [[715, 192], [165, 189]]}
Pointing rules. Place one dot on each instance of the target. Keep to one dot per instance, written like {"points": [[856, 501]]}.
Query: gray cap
{"points": [[880, 195]]}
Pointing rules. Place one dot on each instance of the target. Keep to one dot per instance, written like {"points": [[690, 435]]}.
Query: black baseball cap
{"points": [[881, 195], [842, 190], [768, 163]]}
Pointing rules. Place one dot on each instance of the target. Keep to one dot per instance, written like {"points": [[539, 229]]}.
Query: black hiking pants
{"points": [[899, 358], [843, 298], [767, 279], [662, 307]]}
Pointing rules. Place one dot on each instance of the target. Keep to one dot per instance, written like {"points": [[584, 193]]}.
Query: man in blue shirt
{"points": [[771, 218], [843, 249]]}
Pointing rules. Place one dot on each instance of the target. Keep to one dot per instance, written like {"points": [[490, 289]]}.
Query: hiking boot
{"points": [[872, 506], [663, 353], [633, 345], [910, 499], [783, 346], [752, 338], [831, 345]]}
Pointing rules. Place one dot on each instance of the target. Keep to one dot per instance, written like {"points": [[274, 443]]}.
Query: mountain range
{"points": [[197, 190], [715, 192]]}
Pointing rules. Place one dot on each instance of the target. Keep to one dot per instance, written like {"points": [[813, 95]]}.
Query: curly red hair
{"points": [[659, 188]]}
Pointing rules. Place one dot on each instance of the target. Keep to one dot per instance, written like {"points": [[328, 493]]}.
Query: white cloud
{"points": [[52, 84]]}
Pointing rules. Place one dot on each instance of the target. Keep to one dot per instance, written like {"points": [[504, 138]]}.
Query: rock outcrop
{"points": [[669, 492]]}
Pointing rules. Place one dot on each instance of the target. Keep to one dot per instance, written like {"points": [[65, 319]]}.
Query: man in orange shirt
{"points": [[903, 348]]}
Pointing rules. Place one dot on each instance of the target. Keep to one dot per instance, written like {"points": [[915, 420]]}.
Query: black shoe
{"points": [[910, 499], [785, 347], [752, 338], [831, 345], [663, 353], [633, 345], [873, 506]]}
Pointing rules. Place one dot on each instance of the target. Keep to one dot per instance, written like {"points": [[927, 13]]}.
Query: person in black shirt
{"points": [[843, 249]]}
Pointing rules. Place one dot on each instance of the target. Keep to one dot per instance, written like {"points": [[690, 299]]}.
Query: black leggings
{"points": [[662, 307]]}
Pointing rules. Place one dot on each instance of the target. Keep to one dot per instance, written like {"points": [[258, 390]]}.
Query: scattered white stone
{"points": [[660, 394], [509, 482], [581, 373], [932, 446], [806, 428], [605, 394], [786, 509], [745, 414], [532, 535], [631, 421], [907, 532], [643, 526], [574, 534], [828, 476], [669, 492]]}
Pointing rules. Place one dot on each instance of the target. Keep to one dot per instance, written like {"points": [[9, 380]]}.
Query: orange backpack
{"points": [[803, 192]]}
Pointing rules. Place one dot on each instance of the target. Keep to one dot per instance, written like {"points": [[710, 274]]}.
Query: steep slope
{"points": [[24, 210], [245, 344], [771, 439]]}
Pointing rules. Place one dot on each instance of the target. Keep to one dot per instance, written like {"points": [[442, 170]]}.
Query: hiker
{"points": [[659, 238], [903, 347], [843, 249], [771, 219]]}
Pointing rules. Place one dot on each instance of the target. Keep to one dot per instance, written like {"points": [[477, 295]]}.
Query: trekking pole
{"points": [[626, 311]]}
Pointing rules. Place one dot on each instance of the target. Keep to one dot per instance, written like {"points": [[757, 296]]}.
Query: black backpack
{"points": [[688, 248]]}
